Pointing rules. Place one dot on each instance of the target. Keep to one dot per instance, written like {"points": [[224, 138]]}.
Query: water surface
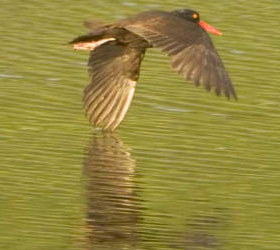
{"points": [[185, 170]]}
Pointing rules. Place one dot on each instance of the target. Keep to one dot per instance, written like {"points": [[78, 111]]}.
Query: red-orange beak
{"points": [[210, 28]]}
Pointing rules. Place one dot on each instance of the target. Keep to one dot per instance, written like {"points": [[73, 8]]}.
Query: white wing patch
{"points": [[91, 45]]}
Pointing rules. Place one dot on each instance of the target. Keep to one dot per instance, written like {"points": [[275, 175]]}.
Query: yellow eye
{"points": [[195, 16]]}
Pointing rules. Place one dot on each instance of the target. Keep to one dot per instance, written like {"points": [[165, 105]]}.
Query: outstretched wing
{"points": [[190, 47], [114, 71]]}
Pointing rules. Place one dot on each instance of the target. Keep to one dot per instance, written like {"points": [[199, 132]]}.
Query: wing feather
{"points": [[114, 71], [192, 52]]}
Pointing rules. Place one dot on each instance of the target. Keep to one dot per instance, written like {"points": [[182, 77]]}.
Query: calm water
{"points": [[185, 170]]}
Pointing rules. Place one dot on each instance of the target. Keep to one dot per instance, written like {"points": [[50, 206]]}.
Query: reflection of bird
{"points": [[113, 210], [118, 49]]}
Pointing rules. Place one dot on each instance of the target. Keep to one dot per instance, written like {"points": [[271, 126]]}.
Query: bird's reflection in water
{"points": [[113, 210]]}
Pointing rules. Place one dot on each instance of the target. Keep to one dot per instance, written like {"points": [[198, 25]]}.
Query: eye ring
{"points": [[195, 16]]}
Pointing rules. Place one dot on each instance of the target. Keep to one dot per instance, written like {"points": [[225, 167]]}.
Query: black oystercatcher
{"points": [[118, 49]]}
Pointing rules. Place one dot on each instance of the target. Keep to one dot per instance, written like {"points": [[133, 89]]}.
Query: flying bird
{"points": [[116, 52]]}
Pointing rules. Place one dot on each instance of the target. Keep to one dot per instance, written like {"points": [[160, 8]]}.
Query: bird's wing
{"points": [[114, 71], [192, 52]]}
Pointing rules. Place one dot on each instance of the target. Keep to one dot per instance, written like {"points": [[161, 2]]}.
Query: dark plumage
{"points": [[118, 49]]}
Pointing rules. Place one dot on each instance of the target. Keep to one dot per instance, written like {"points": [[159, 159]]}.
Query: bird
{"points": [[117, 49]]}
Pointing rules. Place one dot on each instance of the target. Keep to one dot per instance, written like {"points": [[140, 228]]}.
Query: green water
{"points": [[185, 170]]}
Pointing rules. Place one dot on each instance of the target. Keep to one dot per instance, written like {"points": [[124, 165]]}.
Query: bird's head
{"points": [[193, 16]]}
